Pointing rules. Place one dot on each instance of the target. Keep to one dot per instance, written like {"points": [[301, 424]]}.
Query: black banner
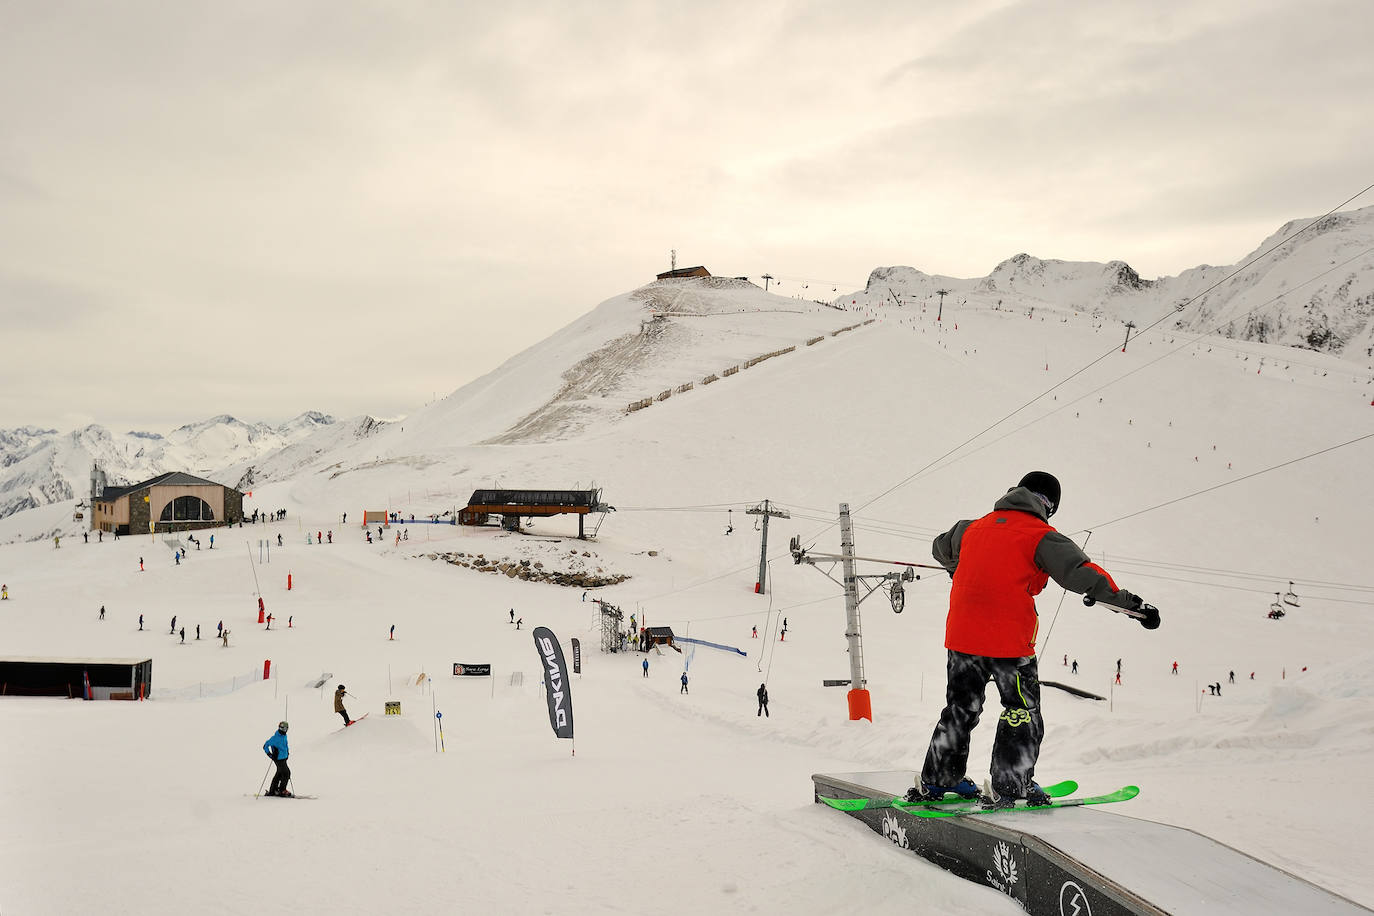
{"points": [[577, 655], [556, 688], [461, 670]]}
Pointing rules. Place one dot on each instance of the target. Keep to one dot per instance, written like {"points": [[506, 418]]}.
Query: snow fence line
{"points": [[666, 393], [209, 688]]}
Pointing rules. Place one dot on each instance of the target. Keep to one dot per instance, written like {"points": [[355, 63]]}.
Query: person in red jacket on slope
{"points": [[999, 563]]}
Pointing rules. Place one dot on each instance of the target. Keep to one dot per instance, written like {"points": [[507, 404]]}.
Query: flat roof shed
{"points": [[89, 678]]}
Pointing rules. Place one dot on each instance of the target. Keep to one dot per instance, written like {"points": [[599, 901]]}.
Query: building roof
{"points": [[170, 479], [71, 660], [697, 271]]}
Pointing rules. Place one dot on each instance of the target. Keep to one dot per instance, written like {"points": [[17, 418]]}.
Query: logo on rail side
{"points": [[1072, 901], [894, 831], [1003, 874]]}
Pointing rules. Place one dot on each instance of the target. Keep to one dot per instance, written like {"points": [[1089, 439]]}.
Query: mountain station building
{"points": [[175, 501]]}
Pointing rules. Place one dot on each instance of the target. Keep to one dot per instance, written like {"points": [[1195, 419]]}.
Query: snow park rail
{"points": [[1086, 860], [711, 645]]}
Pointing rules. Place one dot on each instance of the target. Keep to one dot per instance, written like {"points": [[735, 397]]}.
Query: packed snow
{"points": [[1210, 474]]}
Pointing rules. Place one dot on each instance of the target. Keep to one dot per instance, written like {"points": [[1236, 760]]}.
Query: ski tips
{"points": [[845, 804]]}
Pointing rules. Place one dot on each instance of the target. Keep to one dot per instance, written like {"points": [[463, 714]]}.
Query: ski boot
{"points": [[965, 788]]}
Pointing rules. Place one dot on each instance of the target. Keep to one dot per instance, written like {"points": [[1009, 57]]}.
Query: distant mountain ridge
{"points": [[42, 466], [1314, 291]]}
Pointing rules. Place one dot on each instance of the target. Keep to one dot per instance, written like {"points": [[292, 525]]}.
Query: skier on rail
{"points": [[999, 563]]}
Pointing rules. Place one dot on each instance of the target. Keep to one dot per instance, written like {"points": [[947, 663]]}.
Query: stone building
{"points": [[175, 501]]}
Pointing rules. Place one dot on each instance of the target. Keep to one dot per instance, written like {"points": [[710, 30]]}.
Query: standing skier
{"points": [[275, 747], [762, 694], [999, 563], [646, 667], [339, 705], [684, 683]]}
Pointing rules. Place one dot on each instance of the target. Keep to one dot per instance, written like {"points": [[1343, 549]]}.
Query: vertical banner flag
{"points": [[577, 656], [557, 690]]}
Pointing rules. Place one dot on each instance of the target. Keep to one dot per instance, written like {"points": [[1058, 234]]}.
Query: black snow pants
{"points": [[280, 780], [1020, 728]]}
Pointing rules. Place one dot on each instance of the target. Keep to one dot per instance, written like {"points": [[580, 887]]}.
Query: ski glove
{"points": [[1150, 620], [272, 751]]}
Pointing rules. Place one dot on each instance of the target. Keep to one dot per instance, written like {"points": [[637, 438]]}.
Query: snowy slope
{"points": [[1183, 458]]}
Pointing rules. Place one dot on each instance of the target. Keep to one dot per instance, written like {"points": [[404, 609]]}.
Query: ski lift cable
{"points": [[1124, 561], [1128, 562], [1228, 483], [940, 464], [1113, 350], [1252, 591]]}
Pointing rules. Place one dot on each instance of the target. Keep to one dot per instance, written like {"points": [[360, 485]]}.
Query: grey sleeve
{"points": [[1068, 565], [945, 547]]}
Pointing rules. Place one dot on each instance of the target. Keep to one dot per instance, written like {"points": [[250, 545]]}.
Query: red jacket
{"points": [[1000, 562]]}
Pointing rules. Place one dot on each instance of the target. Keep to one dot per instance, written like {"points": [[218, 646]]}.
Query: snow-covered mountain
{"points": [[1314, 291], [43, 466]]}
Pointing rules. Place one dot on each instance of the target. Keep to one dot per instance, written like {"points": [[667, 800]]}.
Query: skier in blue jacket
{"points": [[275, 747]]}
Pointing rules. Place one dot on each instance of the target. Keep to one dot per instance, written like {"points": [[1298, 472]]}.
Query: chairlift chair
{"points": [[1291, 599], [1276, 609]]}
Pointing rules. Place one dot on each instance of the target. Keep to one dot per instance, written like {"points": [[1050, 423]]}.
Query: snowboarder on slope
{"points": [[339, 694], [276, 748], [999, 563]]}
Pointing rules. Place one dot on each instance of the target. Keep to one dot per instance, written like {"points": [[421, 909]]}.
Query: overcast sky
{"points": [[264, 208]]}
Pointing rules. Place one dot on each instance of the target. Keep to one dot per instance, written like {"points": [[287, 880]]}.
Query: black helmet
{"points": [[341, 686], [1043, 484]]}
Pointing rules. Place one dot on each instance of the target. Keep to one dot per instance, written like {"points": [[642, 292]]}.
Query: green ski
{"points": [[1125, 793], [1058, 790]]}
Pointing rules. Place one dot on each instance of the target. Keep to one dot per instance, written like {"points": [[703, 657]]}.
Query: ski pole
{"points": [[264, 781]]}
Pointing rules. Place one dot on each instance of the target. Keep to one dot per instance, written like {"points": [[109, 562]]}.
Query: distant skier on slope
{"points": [[762, 694], [276, 748], [999, 563]]}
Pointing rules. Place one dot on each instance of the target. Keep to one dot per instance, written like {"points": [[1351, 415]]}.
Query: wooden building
{"points": [[683, 272]]}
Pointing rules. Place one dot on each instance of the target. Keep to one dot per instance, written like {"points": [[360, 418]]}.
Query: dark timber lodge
{"points": [[512, 505], [171, 502]]}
